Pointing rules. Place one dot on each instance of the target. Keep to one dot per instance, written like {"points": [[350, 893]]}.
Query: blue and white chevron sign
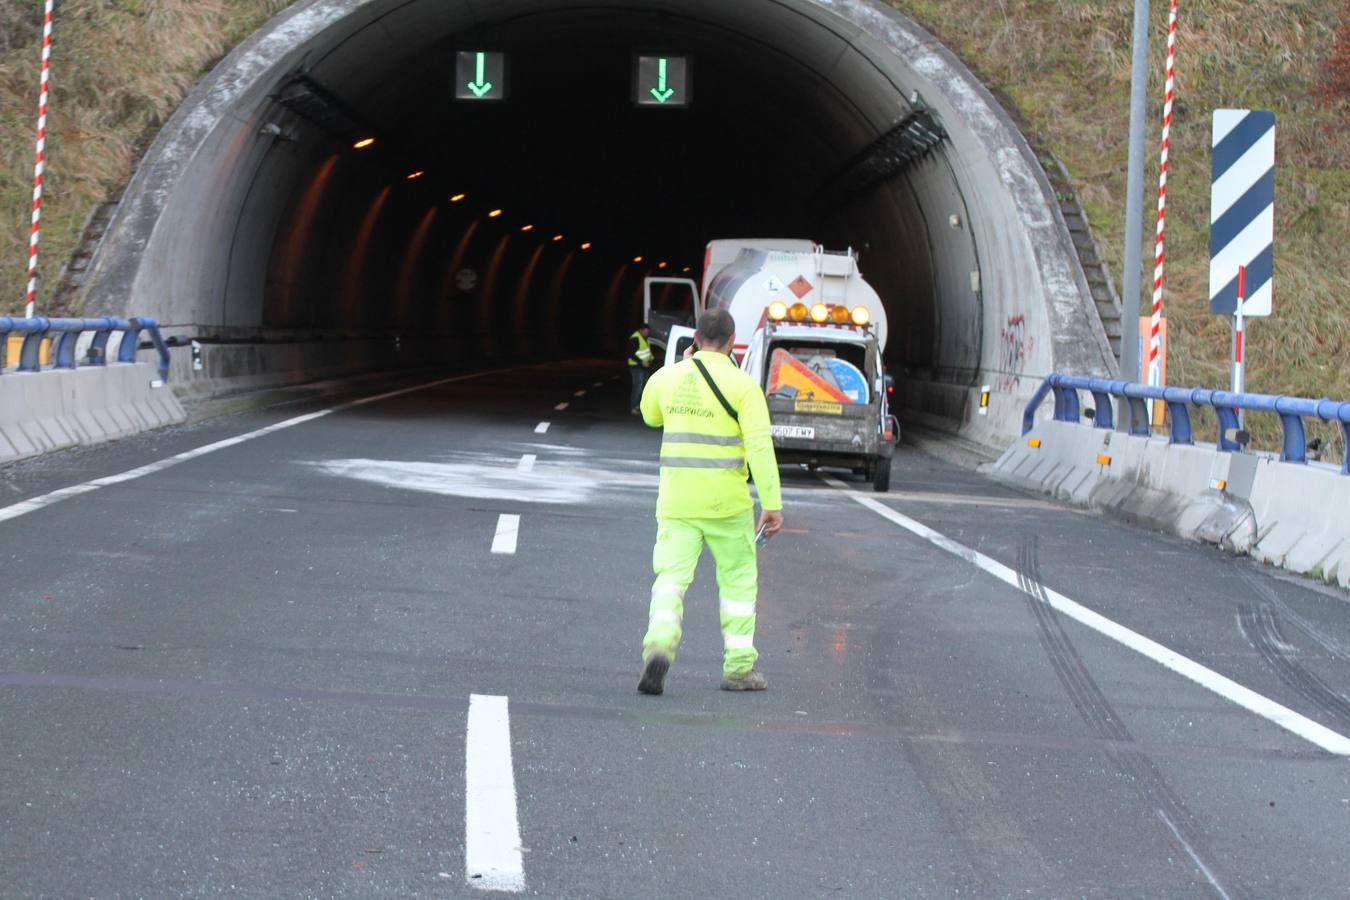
{"points": [[1242, 210]]}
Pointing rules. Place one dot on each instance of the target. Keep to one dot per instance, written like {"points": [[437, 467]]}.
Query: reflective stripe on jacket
{"points": [[706, 456], [643, 354]]}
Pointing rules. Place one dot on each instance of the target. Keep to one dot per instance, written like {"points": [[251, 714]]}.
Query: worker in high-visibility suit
{"points": [[708, 449], [639, 363]]}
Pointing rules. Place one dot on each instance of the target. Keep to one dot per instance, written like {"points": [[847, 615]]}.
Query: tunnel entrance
{"points": [[324, 181]]}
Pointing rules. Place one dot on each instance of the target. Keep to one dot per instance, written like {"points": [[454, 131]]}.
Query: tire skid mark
{"points": [[1272, 598], [1260, 625], [1100, 716]]}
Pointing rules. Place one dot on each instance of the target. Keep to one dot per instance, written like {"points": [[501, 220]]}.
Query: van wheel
{"points": [[881, 475]]}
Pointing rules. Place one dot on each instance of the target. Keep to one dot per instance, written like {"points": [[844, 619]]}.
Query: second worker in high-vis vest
{"points": [[716, 433], [639, 363]]}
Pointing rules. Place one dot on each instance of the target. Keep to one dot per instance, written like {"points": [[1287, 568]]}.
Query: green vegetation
{"points": [[1065, 67], [118, 70], [1061, 66]]}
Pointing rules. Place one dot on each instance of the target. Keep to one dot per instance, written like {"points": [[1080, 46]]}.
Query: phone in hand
{"points": [[760, 536]]}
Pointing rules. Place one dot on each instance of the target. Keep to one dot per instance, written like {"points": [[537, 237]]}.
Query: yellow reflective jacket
{"points": [[642, 354], [704, 452]]}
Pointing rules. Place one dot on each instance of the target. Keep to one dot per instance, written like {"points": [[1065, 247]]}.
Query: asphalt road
{"points": [[328, 660]]}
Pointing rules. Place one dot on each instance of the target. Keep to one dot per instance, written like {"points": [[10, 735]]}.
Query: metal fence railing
{"points": [[1179, 401], [65, 334]]}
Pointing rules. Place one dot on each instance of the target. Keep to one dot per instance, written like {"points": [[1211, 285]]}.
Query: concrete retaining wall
{"points": [[231, 368], [1284, 514], [55, 409]]}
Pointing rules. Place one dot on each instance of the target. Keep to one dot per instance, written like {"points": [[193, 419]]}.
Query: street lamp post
{"points": [[1134, 212]]}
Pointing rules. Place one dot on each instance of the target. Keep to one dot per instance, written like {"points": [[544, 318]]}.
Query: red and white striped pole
{"points": [[1155, 338], [41, 157], [1239, 379]]}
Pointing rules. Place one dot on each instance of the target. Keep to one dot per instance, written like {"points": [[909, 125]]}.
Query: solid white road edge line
{"points": [[541, 428], [1230, 690], [35, 503], [492, 856], [508, 528], [526, 463]]}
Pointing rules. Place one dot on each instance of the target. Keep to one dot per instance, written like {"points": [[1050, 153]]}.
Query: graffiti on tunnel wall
{"points": [[1015, 345]]}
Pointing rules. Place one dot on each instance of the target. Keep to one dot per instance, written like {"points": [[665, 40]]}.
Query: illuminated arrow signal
{"points": [[480, 85], [661, 82], [661, 92]]}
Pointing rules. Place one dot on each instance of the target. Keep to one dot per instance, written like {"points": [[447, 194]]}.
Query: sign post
{"points": [[1239, 381]]}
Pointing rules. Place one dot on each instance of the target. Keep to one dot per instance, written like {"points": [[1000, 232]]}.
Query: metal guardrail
{"points": [[1291, 410], [65, 333]]}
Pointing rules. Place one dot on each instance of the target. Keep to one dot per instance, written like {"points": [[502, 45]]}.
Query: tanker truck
{"points": [[811, 331]]}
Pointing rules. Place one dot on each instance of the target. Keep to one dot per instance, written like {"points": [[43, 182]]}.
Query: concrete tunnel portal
{"points": [[254, 217]]}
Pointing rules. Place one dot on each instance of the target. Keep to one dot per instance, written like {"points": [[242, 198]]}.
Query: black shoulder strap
{"points": [[716, 392]]}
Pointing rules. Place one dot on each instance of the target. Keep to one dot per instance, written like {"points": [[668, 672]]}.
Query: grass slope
{"points": [[1065, 64], [119, 68]]}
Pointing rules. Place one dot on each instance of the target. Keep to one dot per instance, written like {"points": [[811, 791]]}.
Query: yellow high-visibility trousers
{"points": [[679, 543]]}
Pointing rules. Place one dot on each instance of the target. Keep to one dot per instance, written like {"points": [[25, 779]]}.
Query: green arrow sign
{"points": [[661, 92], [480, 75], [480, 85], [661, 81]]}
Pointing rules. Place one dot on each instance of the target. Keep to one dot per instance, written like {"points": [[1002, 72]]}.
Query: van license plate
{"points": [[792, 431]]}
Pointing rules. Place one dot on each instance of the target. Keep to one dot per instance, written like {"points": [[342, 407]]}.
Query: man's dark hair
{"points": [[644, 327], [715, 327]]}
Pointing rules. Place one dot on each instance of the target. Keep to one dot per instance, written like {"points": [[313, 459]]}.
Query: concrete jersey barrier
{"points": [[1281, 510]]}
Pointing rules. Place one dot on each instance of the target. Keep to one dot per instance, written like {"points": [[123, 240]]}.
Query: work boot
{"points": [[750, 681], [654, 674]]}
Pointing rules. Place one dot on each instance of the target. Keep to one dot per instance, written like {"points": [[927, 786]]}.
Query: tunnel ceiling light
{"points": [[685, 269], [586, 246], [637, 259], [363, 143], [494, 214], [661, 265], [413, 176], [527, 228], [557, 237], [457, 197]]}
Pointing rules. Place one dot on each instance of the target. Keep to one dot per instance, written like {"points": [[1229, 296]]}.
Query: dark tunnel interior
{"points": [[363, 245]]}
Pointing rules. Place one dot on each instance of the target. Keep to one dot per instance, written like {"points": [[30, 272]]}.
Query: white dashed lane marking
{"points": [[561, 406], [492, 855], [508, 529], [526, 463], [541, 428], [580, 393]]}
